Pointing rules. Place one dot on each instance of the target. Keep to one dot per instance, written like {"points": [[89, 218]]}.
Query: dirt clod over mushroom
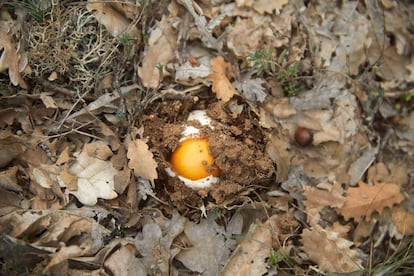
{"points": [[237, 144]]}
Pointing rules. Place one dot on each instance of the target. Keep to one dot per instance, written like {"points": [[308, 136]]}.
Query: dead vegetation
{"points": [[95, 97]]}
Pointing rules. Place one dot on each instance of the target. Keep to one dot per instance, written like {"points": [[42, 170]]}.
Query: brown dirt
{"points": [[237, 144]]}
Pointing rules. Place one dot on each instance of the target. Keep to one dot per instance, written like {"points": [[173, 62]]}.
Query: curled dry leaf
{"points": [[64, 254], [9, 59], [221, 84], [364, 200], [125, 262], [162, 44], [8, 180], [141, 160]]}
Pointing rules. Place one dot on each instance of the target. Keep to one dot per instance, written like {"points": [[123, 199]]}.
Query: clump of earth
{"points": [[237, 144]]}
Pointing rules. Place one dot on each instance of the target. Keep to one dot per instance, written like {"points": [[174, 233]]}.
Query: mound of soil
{"points": [[237, 144]]}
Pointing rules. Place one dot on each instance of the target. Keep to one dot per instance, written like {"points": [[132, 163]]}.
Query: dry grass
{"points": [[71, 43]]}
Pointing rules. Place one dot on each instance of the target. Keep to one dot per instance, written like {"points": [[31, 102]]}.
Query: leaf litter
{"points": [[95, 98]]}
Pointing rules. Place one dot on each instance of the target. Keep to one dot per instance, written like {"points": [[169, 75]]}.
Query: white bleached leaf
{"points": [[95, 179], [187, 72]]}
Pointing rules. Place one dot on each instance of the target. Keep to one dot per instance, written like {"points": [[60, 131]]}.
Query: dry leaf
{"points": [[69, 180], [64, 254], [329, 251], [210, 249], [221, 84], [155, 240], [362, 201], [250, 256], [57, 227], [403, 219], [124, 261], [262, 6], [98, 149], [95, 179], [113, 21], [9, 59], [141, 160], [8, 180], [162, 45], [64, 156], [252, 88], [47, 100], [317, 199]]}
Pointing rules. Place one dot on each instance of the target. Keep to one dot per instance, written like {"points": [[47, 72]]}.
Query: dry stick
{"points": [[47, 84], [398, 94], [68, 132], [70, 110]]}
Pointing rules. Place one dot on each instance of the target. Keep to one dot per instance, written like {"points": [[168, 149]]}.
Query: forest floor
{"points": [[305, 109]]}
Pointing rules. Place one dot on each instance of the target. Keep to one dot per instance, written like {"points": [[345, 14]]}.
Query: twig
{"points": [[47, 84], [398, 94]]}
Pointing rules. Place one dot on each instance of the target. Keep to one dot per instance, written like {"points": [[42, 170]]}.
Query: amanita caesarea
{"points": [[192, 161]]}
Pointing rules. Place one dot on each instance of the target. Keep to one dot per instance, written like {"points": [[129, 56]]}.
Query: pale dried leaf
{"points": [[336, 255], [364, 200], [245, 27], [190, 73]]}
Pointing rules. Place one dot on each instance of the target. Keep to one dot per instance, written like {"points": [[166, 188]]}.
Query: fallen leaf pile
{"points": [[84, 188]]}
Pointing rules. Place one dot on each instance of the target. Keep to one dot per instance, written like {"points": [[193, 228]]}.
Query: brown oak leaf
{"points": [[221, 84], [141, 160], [363, 200]]}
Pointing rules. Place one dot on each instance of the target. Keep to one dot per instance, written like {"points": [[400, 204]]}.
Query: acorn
{"points": [[303, 136]]}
